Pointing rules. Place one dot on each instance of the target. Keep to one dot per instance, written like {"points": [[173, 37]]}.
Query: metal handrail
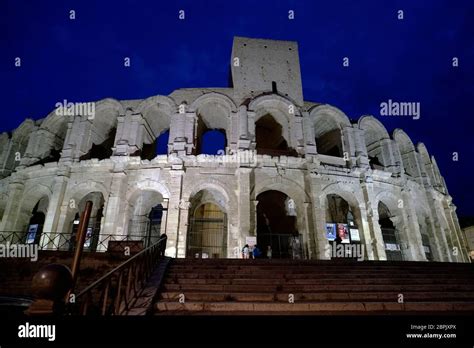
{"points": [[116, 292], [66, 241]]}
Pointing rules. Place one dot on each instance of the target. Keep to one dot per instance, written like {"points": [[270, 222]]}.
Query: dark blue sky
{"points": [[408, 60]]}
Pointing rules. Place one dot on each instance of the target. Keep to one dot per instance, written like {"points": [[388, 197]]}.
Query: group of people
{"points": [[254, 252]]}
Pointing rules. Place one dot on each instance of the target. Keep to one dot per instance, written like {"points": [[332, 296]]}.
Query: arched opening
{"points": [[342, 228], [269, 138], [212, 127], [390, 234], [212, 142], [277, 225], [102, 150], [148, 211], [157, 147], [330, 143], [207, 233], [93, 228], [35, 225]]}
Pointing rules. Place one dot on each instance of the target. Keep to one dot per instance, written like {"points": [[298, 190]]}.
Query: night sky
{"points": [[407, 60]]}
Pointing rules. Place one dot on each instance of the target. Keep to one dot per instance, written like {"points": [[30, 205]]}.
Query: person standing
{"points": [[269, 252], [245, 251], [162, 245]]}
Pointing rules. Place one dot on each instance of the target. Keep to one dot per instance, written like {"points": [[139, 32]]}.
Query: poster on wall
{"points": [[250, 241], [354, 233], [87, 242], [343, 233], [330, 231], [32, 230]]}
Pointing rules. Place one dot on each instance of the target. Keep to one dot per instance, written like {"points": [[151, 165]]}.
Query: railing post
{"points": [[83, 223]]}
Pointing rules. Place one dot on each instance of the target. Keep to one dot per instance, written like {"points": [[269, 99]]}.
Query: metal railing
{"points": [[58, 241], [117, 291]]}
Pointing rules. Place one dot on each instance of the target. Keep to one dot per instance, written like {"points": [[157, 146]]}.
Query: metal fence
{"points": [[95, 242]]}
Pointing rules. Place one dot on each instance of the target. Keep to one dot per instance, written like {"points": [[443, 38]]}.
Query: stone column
{"points": [[244, 137], [411, 230], [114, 211], [308, 133], [177, 225], [130, 134], [245, 212], [54, 209], [177, 140], [12, 210]]}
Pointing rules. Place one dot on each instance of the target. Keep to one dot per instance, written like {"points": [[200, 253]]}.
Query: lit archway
{"points": [[277, 225]]}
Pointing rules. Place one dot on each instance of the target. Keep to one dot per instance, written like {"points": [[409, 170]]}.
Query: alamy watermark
{"points": [[353, 251], [246, 157], [66, 108], [29, 251], [394, 108]]}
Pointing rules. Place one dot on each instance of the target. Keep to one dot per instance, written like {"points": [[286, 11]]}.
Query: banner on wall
{"points": [[250, 241], [32, 230], [343, 233], [354, 233], [87, 242], [330, 231]]}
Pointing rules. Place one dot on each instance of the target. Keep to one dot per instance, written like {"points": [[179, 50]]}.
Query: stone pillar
{"points": [[308, 237], [78, 138], [308, 133], [177, 225], [297, 130], [360, 149], [348, 144], [460, 233], [244, 211], [372, 232], [388, 158], [12, 210], [411, 230], [114, 211], [244, 137], [54, 208], [177, 140], [374, 242], [319, 220], [130, 134]]}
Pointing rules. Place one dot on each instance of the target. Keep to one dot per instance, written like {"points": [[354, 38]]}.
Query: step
{"points": [[324, 296], [313, 287], [310, 281], [313, 307]]}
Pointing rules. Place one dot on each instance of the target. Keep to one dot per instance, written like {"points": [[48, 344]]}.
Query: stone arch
{"points": [[375, 134], [403, 141], [273, 123], [343, 198], [407, 152], [145, 214], [209, 220], [394, 205], [157, 112], [102, 130], [31, 197], [19, 143], [213, 113], [212, 184], [328, 123], [4, 146], [47, 142], [150, 185]]}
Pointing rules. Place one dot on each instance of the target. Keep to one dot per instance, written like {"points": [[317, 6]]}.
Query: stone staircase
{"points": [[16, 274], [263, 287]]}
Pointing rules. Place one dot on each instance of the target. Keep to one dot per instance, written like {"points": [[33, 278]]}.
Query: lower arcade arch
{"points": [[208, 225], [277, 226]]}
